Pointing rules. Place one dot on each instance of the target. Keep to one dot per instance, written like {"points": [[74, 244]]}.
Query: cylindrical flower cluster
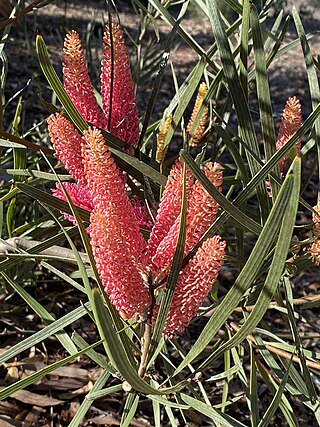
{"points": [[291, 121], [194, 283], [67, 141], [117, 90], [201, 211], [115, 237], [77, 81]]}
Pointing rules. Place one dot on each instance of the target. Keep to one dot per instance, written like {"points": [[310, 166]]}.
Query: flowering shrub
{"points": [[145, 254]]}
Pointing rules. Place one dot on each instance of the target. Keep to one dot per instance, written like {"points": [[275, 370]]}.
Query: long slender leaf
{"points": [[86, 403], [129, 410], [173, 273], [46, 332], [30, 379], [246, 276], [61, 335], [247, 131], [209, 411], [276, 268], [275, 402], [263, 92]]}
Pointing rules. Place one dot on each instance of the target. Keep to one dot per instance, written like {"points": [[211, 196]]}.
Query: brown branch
{"points": [[278, 351], [10, 245], [274, 305], [22, 141], [146, 340], [19, 15]]}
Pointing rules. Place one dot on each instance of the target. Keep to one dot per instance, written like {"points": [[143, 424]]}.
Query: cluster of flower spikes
{"points": [[198, 276], [314, 248], [123, 122], [122, 256]]}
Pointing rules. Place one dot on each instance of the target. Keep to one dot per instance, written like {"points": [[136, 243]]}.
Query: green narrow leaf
{"points": [[129, 409], [275, 401], [305, 370], [277, 265], [246, 276], [62, 275], [284, 405], [209, 411], [159, 78], [61, 335], [167, 402], [254, 404], [98, 394], [114, 347], [247, 131], [35, 174], [87, 402], [92, 354], [263, 93], [244, 42], [52, 201], [31, 379]]}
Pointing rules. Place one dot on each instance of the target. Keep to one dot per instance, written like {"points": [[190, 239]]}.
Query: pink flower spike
{"points": [[67, 140], [169, 209], [108, 190], [77, 81], [201, 212], [115, 70], [117, 267], [193, 285], [79, 195], [291, 121]]}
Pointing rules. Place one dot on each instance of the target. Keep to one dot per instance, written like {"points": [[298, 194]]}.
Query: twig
{"points": [[19, 15], [10, 245], [22, 141], [273, 305], [279, 352], [146, 340]]}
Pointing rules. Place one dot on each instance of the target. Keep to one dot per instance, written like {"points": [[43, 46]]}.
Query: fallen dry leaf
{"points": [[34, 399]]}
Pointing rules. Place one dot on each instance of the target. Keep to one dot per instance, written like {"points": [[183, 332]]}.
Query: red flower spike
{"points": [[108, 190], [169, 209], [291, 121], [67, 141], [115, 70], [202, 207], [193, 285], [117, 267], [201, 212], [77, 81]]}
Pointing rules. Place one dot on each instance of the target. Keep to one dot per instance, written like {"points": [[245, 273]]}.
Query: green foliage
{"points": [[266, 243]]}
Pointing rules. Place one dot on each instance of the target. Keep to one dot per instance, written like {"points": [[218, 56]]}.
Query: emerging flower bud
{"points": [[199, 130]]}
